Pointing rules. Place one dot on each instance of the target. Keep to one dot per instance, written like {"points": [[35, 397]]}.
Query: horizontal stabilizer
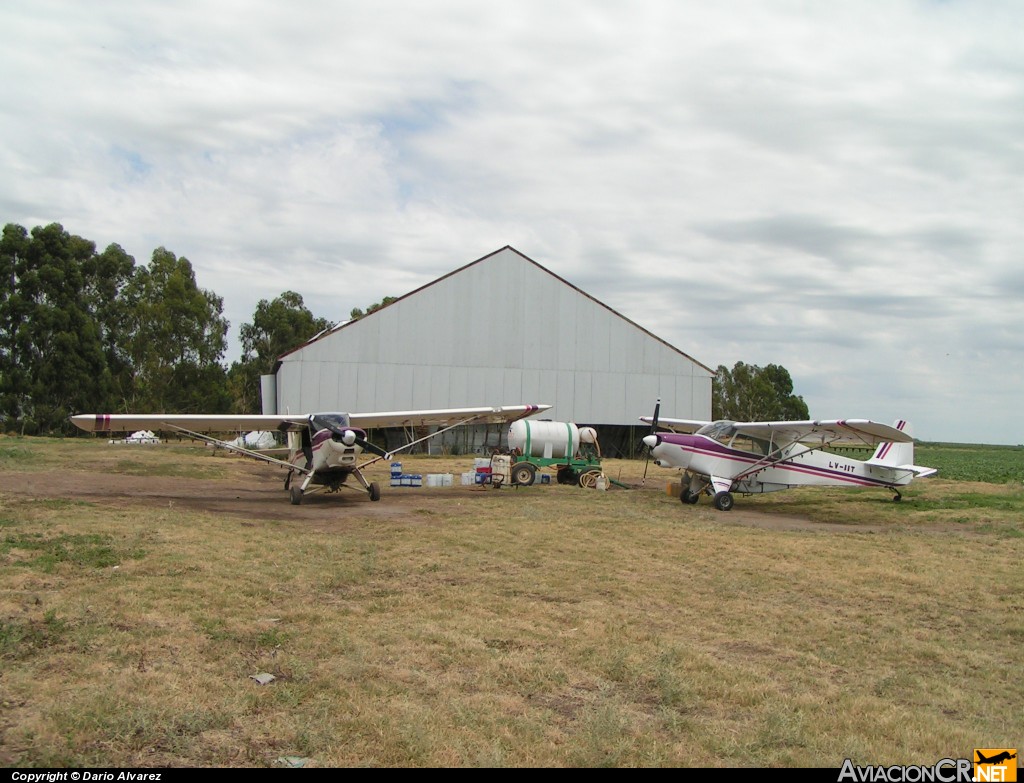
{"points": [[919, 470]]}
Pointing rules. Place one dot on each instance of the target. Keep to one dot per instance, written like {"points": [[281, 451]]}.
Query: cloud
{"points": [[830, 188]]}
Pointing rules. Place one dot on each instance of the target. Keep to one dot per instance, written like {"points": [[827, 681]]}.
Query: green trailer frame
{"points": [[583, 470]]}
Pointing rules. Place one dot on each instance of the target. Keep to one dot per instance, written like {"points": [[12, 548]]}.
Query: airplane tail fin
{"points": [[899, 455]]}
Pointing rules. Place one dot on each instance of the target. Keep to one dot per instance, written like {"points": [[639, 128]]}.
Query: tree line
{"points": [[82, 330]]}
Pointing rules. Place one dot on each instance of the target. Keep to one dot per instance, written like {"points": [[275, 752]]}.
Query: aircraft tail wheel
{"points": [[374, 491], [296, 495], [723, 501]]}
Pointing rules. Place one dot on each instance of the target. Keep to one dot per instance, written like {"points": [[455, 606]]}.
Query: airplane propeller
{"points": [[373, 448], [654, 429]]}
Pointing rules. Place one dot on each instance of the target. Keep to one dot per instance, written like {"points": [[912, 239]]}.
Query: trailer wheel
{"points": [[524, 474], [566, 476]]}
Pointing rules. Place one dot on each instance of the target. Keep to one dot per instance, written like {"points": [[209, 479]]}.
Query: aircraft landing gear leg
{"points": [[723, 501], [372, 489], [897, 497], [298, 492], [288, 480]]}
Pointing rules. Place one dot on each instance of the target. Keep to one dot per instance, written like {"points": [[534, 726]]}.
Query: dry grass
{"points": [[544, 626]]}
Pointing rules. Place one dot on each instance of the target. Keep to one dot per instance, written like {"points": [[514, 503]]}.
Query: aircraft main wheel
{"points": [[723, 501], [688, 497], [524, 473], [296, 494], [588, 478], [374, 491]]}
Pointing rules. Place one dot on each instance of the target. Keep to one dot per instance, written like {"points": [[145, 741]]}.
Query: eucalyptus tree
{"points": [[177, 338], [277, 327], [52, 354], [751, 393]]}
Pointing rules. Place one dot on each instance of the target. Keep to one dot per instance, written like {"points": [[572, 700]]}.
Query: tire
{"points": [[687, 497], [524, 474], [374, 491], [588, 478], [724, 501], [296, 495], [566, 476]]}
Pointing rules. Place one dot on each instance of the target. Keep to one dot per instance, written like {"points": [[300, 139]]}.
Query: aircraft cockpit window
{"points": [[722, 431], [335, 422], [726, 433], [752, 445]]}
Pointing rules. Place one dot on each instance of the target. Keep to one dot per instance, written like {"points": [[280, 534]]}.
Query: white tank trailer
{"points": [[556, 444]]}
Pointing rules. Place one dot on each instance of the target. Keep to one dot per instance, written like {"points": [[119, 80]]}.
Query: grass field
{"points": [[544, 626]]}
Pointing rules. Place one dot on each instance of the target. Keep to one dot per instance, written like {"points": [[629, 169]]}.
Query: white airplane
{"points": [[722, 457], [323, 448]]}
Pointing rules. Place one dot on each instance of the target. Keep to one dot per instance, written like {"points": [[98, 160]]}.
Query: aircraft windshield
{"points": [[725, 433], [335, 422], [722, 431]]}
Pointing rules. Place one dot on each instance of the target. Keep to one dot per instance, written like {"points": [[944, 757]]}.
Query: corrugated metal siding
{"points": [[500, 331]]}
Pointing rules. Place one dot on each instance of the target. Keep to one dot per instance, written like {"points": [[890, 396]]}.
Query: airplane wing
{"points": [[684, 426], [445, 416], [835, 432], [197, 422], [202, 422]]}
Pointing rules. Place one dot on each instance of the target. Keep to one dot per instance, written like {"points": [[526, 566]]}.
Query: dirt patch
{"points": [[255, 492], [250, 493]]}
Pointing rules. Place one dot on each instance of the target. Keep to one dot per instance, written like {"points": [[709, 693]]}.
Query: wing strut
{"points": [[238, 449], [777, 456], [470, 420]]}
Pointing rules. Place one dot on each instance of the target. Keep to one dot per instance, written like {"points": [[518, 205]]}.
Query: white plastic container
{"points": [[501, 465], [544, 439]]}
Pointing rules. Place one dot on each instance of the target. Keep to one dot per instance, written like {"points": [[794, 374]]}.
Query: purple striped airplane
{"points": [[323, 448], [722, 457]]}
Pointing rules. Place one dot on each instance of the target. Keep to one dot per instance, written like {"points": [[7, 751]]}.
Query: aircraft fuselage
{"points": [[756, 471]]}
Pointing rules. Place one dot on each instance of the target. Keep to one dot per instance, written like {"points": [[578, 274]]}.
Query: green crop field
{"points": [[994, 464]]}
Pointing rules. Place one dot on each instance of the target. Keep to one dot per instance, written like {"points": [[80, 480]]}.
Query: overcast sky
{"points": [[836, 187]]}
